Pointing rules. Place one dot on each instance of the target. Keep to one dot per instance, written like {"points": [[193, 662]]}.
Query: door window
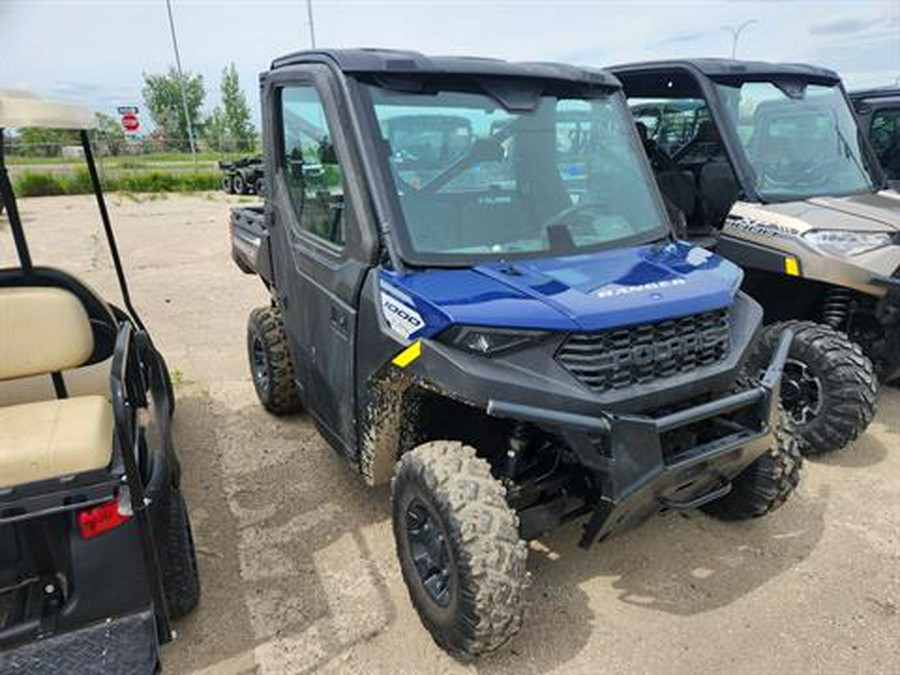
{"points": [[885, 137], [310, 166]]}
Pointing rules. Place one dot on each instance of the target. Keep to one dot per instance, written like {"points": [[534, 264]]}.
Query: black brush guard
{"points": [[636, 475]]}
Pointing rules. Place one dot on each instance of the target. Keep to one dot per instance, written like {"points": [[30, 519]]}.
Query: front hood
{"points": [[865, 212], [583, 292]]}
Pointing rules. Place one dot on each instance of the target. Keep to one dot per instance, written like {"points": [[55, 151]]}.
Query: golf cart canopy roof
{"points": [[24, 109], [739, 70], [390, 62]]}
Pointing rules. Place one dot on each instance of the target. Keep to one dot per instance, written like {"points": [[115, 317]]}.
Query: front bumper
{"points": [[123, 645], [628, 456]]}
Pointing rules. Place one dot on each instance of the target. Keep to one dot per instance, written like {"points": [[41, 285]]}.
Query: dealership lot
{"points": [[297, 561]]}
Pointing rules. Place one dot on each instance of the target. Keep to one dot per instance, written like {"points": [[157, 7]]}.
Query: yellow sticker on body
{"points": [[408, 355], [792, 266]]}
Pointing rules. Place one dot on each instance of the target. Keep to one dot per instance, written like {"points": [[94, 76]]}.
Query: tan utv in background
{"points": [[768, 164]]}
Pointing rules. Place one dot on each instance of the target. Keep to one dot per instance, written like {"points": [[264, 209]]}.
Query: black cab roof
{"points": [[733, 68], [401, 62], [879, 95]]}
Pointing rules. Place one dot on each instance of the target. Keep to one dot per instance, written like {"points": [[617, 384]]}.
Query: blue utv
{"points": [[494, 316]]}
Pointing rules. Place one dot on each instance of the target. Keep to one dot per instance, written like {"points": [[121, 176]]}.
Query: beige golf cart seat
{"points": [[45, 330]]}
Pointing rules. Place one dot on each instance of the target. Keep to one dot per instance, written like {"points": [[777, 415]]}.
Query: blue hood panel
{"points": [[583, 292]]}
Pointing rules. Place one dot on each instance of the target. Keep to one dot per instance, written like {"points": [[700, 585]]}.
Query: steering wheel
{"points": [[613, 229]]}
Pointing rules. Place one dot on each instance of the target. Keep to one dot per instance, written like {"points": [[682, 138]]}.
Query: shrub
{"points": [[34, 184]]}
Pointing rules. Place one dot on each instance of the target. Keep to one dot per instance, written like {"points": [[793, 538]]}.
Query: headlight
{"points": [[847, 242], [489, 341]]}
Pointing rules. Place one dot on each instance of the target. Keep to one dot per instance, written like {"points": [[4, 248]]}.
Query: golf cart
{"points": [[779, 179], [96, 554], [879, 114], [510, 348]]}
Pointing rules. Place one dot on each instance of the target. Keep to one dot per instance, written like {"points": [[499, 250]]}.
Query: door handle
{"points": [[338, 320]]}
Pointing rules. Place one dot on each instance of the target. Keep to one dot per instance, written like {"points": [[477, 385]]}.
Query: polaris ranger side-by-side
{"points": [[879, 114], [496, 317], [96, 552], [779, 178]]}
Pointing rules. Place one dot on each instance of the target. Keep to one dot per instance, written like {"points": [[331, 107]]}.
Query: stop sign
{"points": [[130, 122]]}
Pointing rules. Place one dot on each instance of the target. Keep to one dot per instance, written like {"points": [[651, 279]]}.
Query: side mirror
{"points": [[327, 155]]}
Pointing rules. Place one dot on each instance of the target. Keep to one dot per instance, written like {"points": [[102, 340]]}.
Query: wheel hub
{"points": [[801, 392], [258, 364], [429, 551]]}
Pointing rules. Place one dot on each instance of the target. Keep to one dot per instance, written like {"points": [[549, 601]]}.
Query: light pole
{"points": [[312, 25], [736, 34], [187, 117]]}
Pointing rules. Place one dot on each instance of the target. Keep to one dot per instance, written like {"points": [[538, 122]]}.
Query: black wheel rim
{"points": [[258, 365], [430, 552], [801, 392]]}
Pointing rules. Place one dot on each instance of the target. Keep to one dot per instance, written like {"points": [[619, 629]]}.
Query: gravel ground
{"points": [[297, 559]]}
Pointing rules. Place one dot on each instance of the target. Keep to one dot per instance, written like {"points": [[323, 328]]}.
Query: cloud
{"points": [[684, 38], [844, 25]]}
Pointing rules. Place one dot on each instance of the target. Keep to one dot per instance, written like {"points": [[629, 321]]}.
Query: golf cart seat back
{"points": [[45, 330], [42, 330], [52, 323]]}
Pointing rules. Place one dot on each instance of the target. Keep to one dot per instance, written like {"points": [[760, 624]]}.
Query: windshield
{"points": [[802, 140], [475, 180]]}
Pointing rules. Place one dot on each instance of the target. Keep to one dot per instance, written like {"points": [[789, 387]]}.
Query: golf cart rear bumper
{"points": [[639, 476], [123, 645]]}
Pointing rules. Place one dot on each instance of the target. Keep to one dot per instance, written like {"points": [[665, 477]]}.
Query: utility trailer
{"points": [[243, 176]]}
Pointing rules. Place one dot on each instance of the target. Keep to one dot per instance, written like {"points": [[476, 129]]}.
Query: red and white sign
{"points": [[130, 123], [128, 118]]}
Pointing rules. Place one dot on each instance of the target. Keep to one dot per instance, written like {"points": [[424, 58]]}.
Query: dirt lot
{"points": [[297, 556]]}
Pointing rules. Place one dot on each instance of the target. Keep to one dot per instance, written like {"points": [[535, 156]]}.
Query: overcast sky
{"points": [[94, 51]]}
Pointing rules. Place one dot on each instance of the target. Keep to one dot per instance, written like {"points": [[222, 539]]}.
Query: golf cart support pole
{"points": [[107, 227], [8, 199], [124, 399]]}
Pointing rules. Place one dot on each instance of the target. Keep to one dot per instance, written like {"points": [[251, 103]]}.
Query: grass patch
{"points": [[132, 161], [38, 184]]}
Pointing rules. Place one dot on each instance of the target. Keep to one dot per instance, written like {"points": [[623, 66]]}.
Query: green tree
{"points": [[36, 142], [109, 135], [236, 112], [214, 132], [162, 96]]}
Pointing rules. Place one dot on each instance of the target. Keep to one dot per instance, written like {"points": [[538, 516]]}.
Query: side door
{"points": [[321, 248], [884, 136]]}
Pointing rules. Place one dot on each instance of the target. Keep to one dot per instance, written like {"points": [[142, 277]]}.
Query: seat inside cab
{"points": [[52, 429]]}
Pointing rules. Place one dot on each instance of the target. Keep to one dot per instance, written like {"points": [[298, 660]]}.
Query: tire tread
{"points": [[491, 556]]}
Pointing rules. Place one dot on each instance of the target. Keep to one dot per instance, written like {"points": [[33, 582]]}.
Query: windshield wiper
{"points": [[848, 151], [560, 239]]}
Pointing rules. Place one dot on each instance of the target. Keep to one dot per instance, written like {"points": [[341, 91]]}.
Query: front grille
{"points": [[618, 358]]}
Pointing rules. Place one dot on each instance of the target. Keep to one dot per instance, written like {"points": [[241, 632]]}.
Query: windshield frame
{"points": [[740, 160], [397, 230]]}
